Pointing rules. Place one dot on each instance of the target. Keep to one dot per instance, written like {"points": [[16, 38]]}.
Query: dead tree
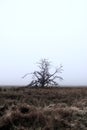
{"points": [[43, 78]]}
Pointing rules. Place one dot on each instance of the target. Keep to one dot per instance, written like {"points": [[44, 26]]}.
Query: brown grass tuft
{"points": [[43, 109]]}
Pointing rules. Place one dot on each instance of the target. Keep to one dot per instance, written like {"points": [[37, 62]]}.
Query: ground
{"points": [[63, 108]]}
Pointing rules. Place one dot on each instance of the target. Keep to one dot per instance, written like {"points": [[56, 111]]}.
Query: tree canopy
{"points": [[43, 77]]}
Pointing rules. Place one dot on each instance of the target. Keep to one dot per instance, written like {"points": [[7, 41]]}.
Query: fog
{"points": [[51, 29]]}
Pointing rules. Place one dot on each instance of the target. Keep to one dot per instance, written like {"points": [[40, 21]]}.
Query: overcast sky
{"points": [[34, 29]]}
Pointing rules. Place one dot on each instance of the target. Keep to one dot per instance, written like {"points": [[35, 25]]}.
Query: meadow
{"points": [[24, 108]]}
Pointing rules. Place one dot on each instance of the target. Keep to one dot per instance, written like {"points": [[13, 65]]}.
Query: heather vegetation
{"points": [[27, 108]]}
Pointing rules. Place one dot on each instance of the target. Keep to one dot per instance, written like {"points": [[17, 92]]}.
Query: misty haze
{"points": [[33, 30]]}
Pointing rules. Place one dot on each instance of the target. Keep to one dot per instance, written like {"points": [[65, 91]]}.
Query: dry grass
{"points": [[43, 109]]}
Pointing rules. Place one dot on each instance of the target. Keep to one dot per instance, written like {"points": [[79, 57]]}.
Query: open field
{"points": [[43, 109]]}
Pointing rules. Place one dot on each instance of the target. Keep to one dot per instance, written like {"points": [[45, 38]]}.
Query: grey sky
{"points": [[35, 29]]}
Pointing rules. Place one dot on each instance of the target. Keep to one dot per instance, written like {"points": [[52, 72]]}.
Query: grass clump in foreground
{"points": [[43, 109]]}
